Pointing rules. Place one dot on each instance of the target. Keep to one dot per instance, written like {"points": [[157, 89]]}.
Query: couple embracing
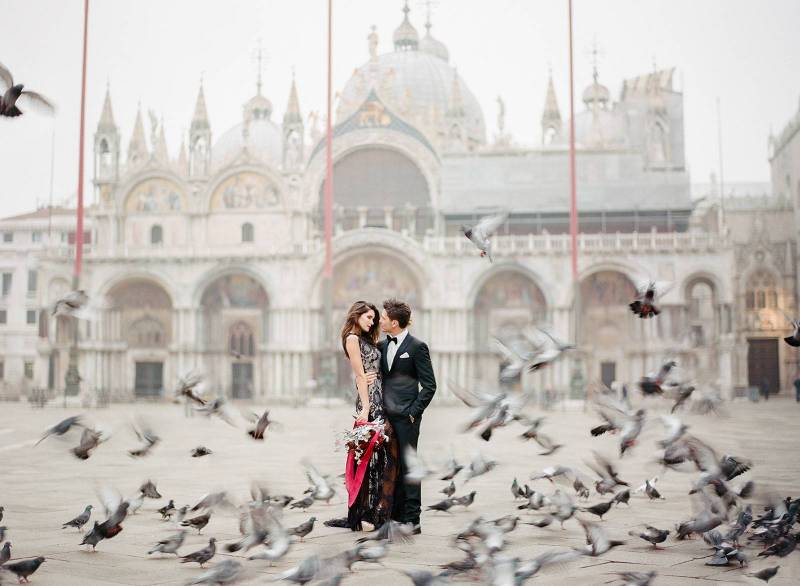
{"points": [[395, 383]]}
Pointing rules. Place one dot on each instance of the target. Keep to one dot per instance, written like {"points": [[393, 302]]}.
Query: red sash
{"points": [[354, 475]]}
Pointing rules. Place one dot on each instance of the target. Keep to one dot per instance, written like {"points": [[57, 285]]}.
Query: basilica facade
{"points": [[213, 259]]}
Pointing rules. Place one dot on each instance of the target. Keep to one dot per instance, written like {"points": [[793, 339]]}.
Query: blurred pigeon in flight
{"points": [[170, 544], [13, 92], [61, 428], [72, 304], [480, 234], [651, 384], [794, 339], [224, 572]]}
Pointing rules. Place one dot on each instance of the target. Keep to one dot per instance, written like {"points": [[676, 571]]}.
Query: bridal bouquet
{"points": [[363, 435]]}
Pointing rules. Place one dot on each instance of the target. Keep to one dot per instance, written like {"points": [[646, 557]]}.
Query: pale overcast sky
{"points": [[747, 52]]}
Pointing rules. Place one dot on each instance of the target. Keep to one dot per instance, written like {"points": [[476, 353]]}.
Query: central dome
{"points": [[416, 85], [260, 136]]}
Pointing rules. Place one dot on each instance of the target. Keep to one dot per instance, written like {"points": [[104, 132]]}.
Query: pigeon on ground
{"points": [[644, 306], [391, 532], [201, 556], [201, 451], [3, 530], [781, 548], [599, 509], [466, 500], [706, 520], [450, 489], [443, 506], [302, 529], [766, 574], [72, 304], [180, 515], [581, 490], [2, 510], [536, 500], [146, 435], [637, 578], [81, 520], [372, 553], [303, 503], [13, 92], [480, 234], [149, 490], [622, 497], [652, 535], [167, 510], [5, 553], [197, 522], [794, 339], [108, 529], [24, 568], [169, 545], [306, 571], [649, 488], [224, 572], [425, 578]]}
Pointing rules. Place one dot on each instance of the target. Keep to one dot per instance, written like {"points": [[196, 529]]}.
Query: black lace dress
{"points": [[376, 496]]}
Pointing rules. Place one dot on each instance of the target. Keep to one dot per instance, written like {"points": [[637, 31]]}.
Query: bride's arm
{"points": [[354, 353]]}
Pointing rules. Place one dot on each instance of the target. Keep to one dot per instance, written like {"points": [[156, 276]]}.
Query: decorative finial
{"points": [[372, 42], [428, 5], [259, 56], [406, 9]]}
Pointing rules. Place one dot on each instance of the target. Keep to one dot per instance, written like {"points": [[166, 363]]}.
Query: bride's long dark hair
{"points": [[350, 326]]}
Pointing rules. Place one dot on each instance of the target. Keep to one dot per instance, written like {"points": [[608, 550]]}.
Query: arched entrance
{"points": [[140, 316], [373, 277], [233, 327], [506, 304], [607, 329]]}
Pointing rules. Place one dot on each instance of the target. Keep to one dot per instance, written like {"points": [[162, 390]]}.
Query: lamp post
{"points": [[72, 378]]}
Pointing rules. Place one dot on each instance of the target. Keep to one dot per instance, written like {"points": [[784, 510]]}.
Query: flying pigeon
{"points": [[645, 306], [60, 428], [224, 572], [480, 234], [201, 451], [197, 522], [794, 339], [72, 304], [8, 102]]}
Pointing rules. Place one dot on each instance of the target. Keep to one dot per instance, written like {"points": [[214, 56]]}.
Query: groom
{"points": [[405, 367]]}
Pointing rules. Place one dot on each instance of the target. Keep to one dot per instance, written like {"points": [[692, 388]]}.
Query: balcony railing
{"points": [[518, 245]]}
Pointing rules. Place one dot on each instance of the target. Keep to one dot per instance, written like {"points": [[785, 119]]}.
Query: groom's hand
{"points": [[371, 377]]}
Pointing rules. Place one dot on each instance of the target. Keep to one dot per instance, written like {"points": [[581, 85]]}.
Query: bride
{"points": [[372, 499]]}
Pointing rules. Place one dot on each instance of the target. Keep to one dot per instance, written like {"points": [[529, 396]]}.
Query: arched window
{"points": [[550, 134], [241, 341], [156, 235], [762, 292], [248, 233], [147, 332], [659, 148]]}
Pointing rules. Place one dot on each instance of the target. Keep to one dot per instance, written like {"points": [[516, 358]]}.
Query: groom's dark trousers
{"points": [[408, 387]]}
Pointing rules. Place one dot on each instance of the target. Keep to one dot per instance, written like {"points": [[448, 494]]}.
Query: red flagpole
{"points": [[328, 201], [79, 231], [573, 203]]}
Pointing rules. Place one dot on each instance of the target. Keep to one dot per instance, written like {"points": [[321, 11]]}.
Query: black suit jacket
{"points": [[401, 383]]}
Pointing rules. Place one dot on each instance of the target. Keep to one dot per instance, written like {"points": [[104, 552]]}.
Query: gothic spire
{"points": [[293, 114], [551, 112], [137, 148], [200, 118], [160, 148], [107, 116]]}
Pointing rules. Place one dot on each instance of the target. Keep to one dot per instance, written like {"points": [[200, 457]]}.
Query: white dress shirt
{"points": [[391, 349]]}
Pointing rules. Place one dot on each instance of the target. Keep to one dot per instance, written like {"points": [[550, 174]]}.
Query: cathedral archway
{"points": [[607, 331], [140, 316], [507, 303], [233, 320]]}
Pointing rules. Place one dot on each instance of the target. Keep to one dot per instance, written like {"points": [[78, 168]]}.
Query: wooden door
{"points": [[763, 368]]}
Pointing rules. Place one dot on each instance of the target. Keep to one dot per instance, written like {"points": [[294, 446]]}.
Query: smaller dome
{"points": [[434, 47], [406, 36], [596, 92], [257, 107], [262, 138]]}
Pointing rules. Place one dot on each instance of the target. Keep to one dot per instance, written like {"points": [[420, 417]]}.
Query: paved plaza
{"points": [[44, 486]]}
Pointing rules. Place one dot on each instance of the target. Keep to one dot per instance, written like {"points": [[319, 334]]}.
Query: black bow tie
{"points": [[391, 339]]}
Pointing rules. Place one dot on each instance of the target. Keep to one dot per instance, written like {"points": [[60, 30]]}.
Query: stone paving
{"points": [[42, 487]]}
